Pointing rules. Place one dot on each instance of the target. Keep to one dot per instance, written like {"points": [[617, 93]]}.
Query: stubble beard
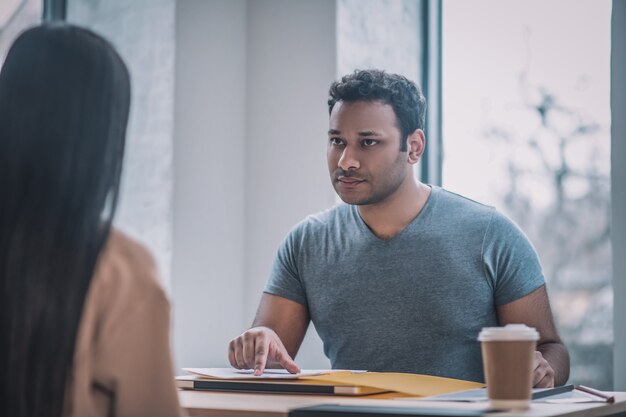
{"points": [[378, 194]]}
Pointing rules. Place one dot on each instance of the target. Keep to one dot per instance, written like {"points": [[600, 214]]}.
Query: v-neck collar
{"points": [[365, 229]]}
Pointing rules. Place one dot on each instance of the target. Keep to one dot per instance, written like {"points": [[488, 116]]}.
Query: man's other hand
{"points": [[543, 375], [258, 348]]}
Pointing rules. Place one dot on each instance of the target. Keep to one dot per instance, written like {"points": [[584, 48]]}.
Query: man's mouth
{"points": [[349, 180]]}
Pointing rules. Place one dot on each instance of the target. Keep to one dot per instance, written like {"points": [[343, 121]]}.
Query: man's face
{"points": [[364, 158]]}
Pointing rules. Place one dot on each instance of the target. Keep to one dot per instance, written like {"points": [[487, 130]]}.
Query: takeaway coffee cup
{"points": [[508, 357]]}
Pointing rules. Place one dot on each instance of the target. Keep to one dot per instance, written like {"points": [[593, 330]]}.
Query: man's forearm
{"points": [[557, 356]]}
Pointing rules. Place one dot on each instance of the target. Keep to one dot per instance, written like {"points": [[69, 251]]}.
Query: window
{"points": [[526, 128], [381, 35], [15, 16]]}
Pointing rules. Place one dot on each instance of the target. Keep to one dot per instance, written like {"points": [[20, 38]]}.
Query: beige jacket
{"points": [[122, 362]]}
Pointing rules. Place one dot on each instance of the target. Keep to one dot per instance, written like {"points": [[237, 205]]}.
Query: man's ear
{"points": [[416, 143]]}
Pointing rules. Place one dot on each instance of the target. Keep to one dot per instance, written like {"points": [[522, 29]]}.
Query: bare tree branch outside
{"points": [[526, 128]]}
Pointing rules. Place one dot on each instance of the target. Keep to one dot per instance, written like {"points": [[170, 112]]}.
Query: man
{"points": [[404, 275]]}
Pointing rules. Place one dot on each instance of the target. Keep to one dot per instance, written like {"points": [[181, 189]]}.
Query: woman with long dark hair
{"points": [[84, 324]]}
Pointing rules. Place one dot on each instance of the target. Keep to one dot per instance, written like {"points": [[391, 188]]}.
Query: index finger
{"points": [[261, 350]]}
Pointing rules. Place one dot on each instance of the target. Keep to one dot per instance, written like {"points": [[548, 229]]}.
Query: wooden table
{"points": [[223, 404]]}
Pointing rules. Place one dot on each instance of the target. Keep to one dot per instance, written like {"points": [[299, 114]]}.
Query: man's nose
{"points": [[348, 160]]}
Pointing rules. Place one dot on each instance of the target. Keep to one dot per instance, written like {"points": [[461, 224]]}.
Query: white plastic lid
{"points": [[510, 332]]}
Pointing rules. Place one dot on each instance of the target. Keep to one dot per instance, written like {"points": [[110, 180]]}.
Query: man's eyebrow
{"points": [[365, 133], [368, 133]]}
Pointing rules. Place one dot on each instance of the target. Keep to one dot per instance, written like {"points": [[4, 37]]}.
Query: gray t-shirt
{"points": [[414, 303]]}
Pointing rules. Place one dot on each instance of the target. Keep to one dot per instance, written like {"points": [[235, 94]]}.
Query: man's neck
{"points": [[389, 217]]}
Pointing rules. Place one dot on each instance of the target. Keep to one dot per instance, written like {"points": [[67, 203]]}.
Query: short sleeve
{"points": [[510, 261], [284, 280]]}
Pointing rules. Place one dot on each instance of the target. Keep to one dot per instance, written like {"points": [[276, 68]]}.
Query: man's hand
{"points": [[543, 375], [258, 348]]}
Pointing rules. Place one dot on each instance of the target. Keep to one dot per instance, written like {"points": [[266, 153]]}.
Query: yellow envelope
{"points": [[412, 384]]}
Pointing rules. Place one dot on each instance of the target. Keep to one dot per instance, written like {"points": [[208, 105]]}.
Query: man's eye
{"points": [[369, 142], [336, 142]]}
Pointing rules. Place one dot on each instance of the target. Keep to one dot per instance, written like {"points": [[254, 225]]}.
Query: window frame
{"points": [[54, 10], [431, 164]]}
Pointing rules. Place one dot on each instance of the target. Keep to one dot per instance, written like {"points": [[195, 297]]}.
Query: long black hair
{"points": [[64, 102]]}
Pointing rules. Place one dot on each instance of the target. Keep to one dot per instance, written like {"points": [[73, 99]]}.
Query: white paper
{"points": [[231, 373], [472, 395], [480, 395]]}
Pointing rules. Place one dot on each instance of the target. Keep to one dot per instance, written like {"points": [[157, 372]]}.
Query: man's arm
{"points": [[551, 358], [275, 337]]}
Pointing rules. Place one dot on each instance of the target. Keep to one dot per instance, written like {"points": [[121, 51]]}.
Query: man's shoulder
{"points": [[329, 218], [464, 209], [325, 225], [460, 206]]}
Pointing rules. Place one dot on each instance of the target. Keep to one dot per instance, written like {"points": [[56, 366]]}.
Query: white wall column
{"points": [[291, 63], [249, 157], [209, 179]]}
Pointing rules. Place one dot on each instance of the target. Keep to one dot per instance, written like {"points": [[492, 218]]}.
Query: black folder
{"points": [[273, 386]]}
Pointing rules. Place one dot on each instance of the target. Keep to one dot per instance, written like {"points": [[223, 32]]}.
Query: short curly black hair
{"points": [[404, 96]]}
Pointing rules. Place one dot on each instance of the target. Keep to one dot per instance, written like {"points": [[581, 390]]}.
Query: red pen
{"points": [[595, 392]]}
